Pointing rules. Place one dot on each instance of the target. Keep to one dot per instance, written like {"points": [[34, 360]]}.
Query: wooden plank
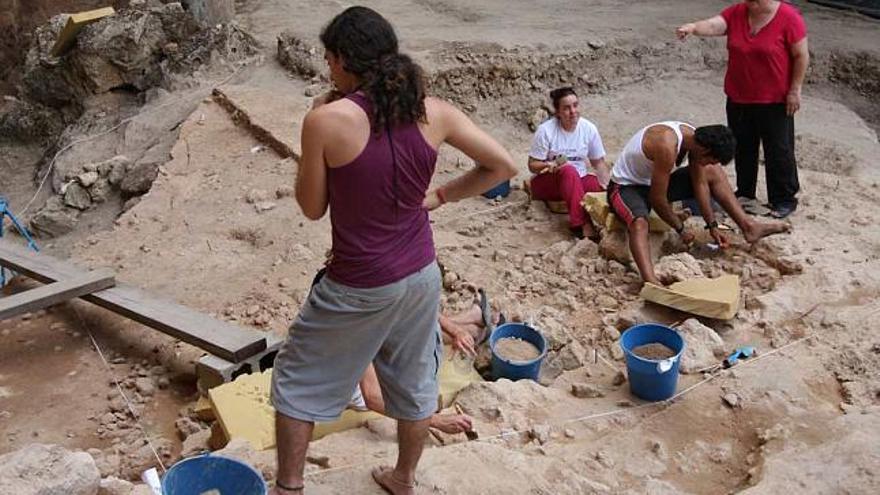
{"points": [[54, 293], [75, 23], [220, 338], [225, 340]]}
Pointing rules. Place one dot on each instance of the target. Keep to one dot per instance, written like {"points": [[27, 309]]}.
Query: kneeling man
{"points": [[648, 174]]}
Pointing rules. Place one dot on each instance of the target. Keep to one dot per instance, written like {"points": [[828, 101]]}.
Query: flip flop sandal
{"points": [[487, 317], [783, 211]]}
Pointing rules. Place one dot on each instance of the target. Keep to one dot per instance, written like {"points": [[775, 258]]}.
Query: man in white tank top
{"points": [[648, 174], [565, 151]]}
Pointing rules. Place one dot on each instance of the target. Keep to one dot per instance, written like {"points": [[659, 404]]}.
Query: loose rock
{"points": [[541, 433], [39, 469], [76, 196], [731, 399], [678, 267], [115, 486], [586, 391], [139, 177], [572, 356], [703, 345]]}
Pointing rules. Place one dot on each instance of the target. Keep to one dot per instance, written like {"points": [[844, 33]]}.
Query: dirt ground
{"points": [[804, 415]]}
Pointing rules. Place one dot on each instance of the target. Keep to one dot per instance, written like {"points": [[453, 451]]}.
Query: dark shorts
{"points": [[631, 202]]}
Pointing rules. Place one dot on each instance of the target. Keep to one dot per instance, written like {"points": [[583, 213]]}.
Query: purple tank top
{"points": [[381, 233]]}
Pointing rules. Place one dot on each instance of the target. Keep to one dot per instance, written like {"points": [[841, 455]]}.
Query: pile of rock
{"points": [[117, 64]]}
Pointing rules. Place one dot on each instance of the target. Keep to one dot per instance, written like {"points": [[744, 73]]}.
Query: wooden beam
{"points": [[54, 293], [225, 340]]}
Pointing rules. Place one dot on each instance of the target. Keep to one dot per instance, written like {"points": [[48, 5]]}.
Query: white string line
{"points": [[119, 388], [117, 126], [668, 402]]}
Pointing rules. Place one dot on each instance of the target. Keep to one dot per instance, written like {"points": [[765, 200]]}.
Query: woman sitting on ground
{"points": [[558, 158]]}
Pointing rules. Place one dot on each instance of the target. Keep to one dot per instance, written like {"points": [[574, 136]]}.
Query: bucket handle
{"points": [[665, 365]]}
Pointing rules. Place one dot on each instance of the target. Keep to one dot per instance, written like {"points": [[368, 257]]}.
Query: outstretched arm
{"points": [[713, 26], [603, 171]]}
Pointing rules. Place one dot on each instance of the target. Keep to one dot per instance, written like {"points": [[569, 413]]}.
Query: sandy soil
{"points": [[805, 413]]}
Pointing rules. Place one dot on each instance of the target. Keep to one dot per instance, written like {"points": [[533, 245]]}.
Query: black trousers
{"points": [[767, 125]]}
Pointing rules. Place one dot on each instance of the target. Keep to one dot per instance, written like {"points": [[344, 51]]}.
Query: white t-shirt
{"points": [[580, 145]]}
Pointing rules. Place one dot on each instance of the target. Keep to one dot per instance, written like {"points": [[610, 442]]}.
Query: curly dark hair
{"points": [[718, 140], [368, 46]]}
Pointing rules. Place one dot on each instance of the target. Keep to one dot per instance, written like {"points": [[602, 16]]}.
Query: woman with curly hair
{"points": [[368, 157]]}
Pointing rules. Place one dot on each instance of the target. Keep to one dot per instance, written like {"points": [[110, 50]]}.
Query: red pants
{"points": [[566, 185]]}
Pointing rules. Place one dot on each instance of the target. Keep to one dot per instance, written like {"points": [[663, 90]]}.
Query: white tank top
{"points": [[632, 167]]}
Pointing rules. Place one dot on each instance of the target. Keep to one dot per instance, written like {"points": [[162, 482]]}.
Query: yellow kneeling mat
{"points": [[596, 204], [709, 297], [245, 411]]}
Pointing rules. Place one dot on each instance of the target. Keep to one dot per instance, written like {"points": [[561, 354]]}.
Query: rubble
{"points": [[703, 348], [39, 469], [114, 61], [677, 268], [54, 219], [298, 56], [586, 391], [115, 486]]}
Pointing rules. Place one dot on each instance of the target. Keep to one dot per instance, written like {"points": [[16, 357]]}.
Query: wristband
{"points": [[712, 225], [441, 195]]}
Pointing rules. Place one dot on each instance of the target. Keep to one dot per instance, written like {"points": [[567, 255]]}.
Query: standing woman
{"points": [[369, 157], [767, 61]]}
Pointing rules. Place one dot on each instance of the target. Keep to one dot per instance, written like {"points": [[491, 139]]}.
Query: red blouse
{"points": [[759, 67]]}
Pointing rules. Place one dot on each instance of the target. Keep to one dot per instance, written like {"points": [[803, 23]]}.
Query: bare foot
{"points": [[590, 232], [385, 477], [759, 230], [452, 423]]}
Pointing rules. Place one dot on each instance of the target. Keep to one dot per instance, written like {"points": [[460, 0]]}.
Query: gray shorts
{"points": [[341, 329]]}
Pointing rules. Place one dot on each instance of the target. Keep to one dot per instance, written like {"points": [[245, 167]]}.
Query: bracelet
{"points": [[441, 195], [712, 225], [289, 488]]}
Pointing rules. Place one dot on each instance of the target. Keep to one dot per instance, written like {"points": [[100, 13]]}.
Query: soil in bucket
{"points": [[514, 349], [654, 351]]}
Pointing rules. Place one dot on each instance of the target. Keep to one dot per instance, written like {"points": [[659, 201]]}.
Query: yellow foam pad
{"points": [[596, 204], [709, 297], [244, 409], [559, 207]]}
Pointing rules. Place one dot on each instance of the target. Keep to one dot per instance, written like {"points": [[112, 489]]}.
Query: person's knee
{"points": [[638, 226], [714, 173], [713, 170], [568, 172]]}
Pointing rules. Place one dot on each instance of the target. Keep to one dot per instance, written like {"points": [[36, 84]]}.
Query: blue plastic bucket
{"points": [[649, 379], [502, 190], [517, 370], [196, 475]]}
